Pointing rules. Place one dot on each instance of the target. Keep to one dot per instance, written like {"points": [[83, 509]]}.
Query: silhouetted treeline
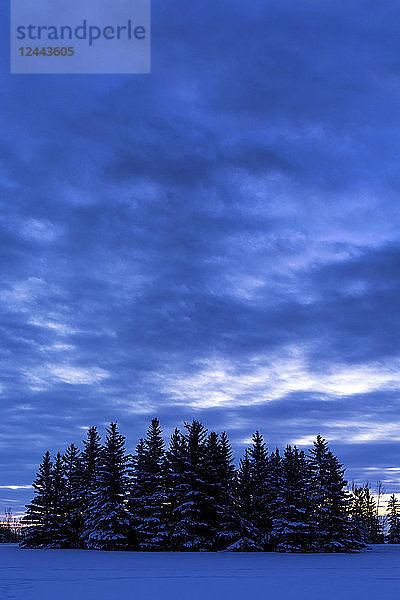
{"points": [[190, 497], [9, 528]]}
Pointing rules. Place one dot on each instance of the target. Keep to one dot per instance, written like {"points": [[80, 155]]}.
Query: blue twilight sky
{"points": [[219, 239]]}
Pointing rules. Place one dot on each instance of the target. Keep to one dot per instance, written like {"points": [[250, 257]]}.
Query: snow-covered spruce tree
{"points": [[293, 521], [57, 517], [38, 516], [393, 518], [137, 479], [226, 468], [213, 488], [90, 465], [226, 522], [90, 461], [174, 469], [233, 530], [191, 502], [107, 517], [274, 482], [148, 497], [45, 514], [72, 498], [357, 515], [260, 505], [244, 485], [331, 501], [222, 518]]}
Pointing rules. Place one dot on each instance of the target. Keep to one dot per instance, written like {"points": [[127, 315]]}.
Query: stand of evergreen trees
{"points": [[365, 513], [190, 497]]}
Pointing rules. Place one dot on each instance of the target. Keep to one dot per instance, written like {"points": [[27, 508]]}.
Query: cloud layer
{"points": [[219, 239]]}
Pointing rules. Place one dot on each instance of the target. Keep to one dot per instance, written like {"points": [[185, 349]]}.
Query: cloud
{"points": [[219, 239], [47, 375], [15, 487], [261, 380]]}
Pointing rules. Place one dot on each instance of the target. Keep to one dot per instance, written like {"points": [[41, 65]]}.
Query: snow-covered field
{"points": [[88, 575]]}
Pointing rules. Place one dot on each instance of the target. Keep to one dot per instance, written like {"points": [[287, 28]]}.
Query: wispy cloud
{"points": [[262, 379], [15, 487], [50, 374]]}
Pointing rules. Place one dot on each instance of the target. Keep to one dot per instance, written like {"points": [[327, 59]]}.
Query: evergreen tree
{"points": [[138, 474], [107, 524], [357, 515], [260, 513], [223, 519], [90, 462], [137, 491], [275, 483], [72, 498], [237, 533], [90, 467], [190, 529], [293, 523], [226, 516], [214, 488], [174, 481], [393, 513], [38, 518], [330, 500], [226, 468], [149, 496], [244, 485], [57, 515]]}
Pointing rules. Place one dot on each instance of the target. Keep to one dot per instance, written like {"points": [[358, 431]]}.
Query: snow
{"points": [[91, 575]]}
